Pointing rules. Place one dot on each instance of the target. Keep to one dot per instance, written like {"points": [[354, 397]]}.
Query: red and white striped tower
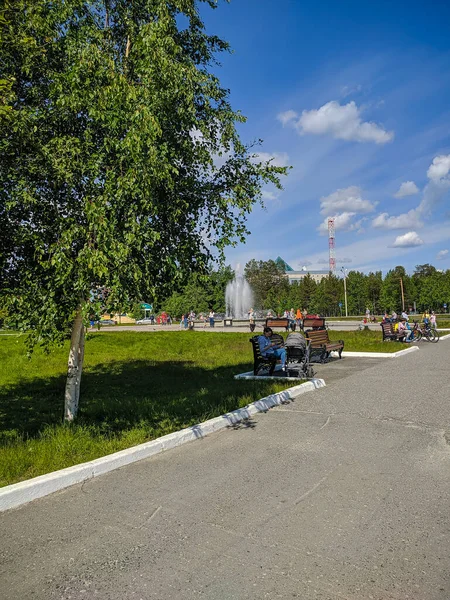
{"points": [[331, 244]]}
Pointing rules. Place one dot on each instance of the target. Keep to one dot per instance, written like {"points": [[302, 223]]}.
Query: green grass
{"points": [[135, 387], [365, 341], [442, 320], [443, 323]]}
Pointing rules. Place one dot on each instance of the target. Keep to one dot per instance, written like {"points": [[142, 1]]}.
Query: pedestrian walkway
{"points": [[342, 494]]}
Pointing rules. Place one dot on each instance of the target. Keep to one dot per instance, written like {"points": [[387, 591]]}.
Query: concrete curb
{"points": [[444, 337], [378, 354], [248, 375], [17, 494]]}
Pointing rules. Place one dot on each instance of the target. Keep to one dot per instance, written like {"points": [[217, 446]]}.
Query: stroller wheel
{"points": [[310, 371]]}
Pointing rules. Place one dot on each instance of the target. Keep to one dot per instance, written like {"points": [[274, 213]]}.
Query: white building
{"points": [[299, 275]]}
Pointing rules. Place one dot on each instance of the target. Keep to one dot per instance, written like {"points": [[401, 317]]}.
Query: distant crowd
{"points": [[295, 317]]}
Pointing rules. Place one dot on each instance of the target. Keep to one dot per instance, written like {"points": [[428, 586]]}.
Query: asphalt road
{"points": [[343, 494]]}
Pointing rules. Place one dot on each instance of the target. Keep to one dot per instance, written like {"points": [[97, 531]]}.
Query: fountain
{"points": [[238, 296]]}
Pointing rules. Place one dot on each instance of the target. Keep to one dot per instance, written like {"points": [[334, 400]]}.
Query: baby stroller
{"points": [[298, 356]]}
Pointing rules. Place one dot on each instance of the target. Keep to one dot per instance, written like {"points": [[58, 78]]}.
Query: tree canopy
{"points": [[112, 126], [272, 290]]}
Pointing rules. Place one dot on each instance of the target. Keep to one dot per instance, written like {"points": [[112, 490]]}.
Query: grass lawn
{"points": [[443, 323], [135, 387], [442, 320], [365, 341]]}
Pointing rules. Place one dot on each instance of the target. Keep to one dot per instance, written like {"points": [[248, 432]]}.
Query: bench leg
{"points": [[257, 368]]}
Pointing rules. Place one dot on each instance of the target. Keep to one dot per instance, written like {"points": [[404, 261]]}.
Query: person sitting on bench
{"points": [[269, 348], [403, 329]]}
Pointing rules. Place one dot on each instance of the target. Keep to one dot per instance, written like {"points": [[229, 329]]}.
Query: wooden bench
{"points": [[321, 343], [314, 323], [389, 333], [260, 361], [277, 322]]}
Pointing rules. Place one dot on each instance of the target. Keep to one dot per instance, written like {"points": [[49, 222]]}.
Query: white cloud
{"points": [[371, 252], [407, 240], [277, 159], [341, 122], [266, 195], [404, 221], [408, 188], [342, 222], [348, 90], [433, 193], [442, 254], [287, 117], [345, 200], [439, 168]]}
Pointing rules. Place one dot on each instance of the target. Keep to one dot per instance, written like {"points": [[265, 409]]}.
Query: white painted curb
{"points": [[16, 494], [250, 375], [377, 354], [444, 337]]}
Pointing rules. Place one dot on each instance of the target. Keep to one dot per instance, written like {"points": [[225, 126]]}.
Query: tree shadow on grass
{"points": [[118, 396]]}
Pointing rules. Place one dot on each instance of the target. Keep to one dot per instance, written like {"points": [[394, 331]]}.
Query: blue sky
{"points": [[355, 96]]}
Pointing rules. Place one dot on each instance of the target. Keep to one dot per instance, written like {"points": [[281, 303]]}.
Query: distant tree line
{"points": [[426, 288]]}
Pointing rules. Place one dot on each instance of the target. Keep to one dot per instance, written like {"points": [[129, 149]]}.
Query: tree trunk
{"points": [[74, 369], [80, 364]]}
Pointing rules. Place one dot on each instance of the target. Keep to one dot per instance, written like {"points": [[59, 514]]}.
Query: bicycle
{"points": [[424, 330], [435, 334]]}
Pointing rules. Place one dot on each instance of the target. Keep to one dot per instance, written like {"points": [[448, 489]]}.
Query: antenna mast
{"points": [[331, 244]]}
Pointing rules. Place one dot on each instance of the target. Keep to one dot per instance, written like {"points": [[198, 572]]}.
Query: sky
{"points": [[355, 97]]}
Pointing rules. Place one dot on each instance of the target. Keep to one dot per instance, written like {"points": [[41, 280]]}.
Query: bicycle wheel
{"points": [[428, 335], [436, 336], [417, 335]]}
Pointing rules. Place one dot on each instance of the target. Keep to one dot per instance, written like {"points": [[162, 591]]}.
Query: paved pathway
{"points": [[343, 494], [337, 325]]}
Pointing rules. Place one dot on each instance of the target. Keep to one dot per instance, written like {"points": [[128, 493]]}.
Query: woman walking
{"points": [[251, 318]]}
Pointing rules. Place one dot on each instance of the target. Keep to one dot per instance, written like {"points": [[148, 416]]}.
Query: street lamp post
{"points": [[345, 289]]}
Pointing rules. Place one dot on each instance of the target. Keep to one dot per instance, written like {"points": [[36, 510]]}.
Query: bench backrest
{"points": [[387, 329], [316, 323], [272, 322], [317, 337], [255, 345], [276, 337], [256, 351], [257, 356]]}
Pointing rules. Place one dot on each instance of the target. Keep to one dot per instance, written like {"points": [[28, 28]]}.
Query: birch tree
{"points": [[112, 124]]}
